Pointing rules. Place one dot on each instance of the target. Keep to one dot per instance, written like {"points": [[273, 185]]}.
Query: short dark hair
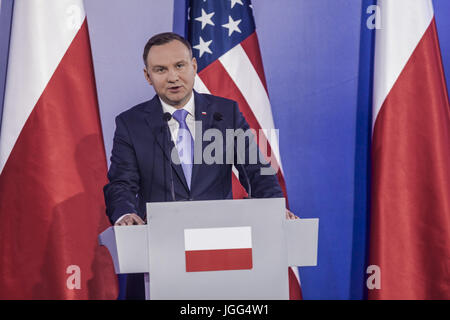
{"points": [[163, 38]]}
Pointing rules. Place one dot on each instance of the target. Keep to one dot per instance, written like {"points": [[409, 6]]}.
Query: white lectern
{"points": [[223, 249]]}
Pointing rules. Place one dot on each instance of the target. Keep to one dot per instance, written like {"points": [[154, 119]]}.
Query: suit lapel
{"points": [[159, 129]]}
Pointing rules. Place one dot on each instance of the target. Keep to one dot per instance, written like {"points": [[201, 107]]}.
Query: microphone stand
{"points": [[218, 117], [166, 117]]}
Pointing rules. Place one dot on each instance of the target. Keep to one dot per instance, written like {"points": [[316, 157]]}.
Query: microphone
{"points": [[219, 117], [166, 118]]}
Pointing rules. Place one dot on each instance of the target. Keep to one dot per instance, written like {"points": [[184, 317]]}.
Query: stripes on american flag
{"points": [[225, 45]]}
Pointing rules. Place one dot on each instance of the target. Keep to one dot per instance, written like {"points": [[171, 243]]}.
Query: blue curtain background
{"points": [[6, 8]]}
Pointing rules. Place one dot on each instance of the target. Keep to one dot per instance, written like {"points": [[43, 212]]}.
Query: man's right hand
{"points": [[129, 219]]}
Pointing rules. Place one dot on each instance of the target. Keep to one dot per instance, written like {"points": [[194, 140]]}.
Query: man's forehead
{"points": [[168, 53]]}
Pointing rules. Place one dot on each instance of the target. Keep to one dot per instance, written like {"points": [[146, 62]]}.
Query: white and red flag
{"points": [[225, 45], [410, 203], [215, 249], [52, 160]]}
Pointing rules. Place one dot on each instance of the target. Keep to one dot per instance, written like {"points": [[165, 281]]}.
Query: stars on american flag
{"points": [[232, 25], [216, 26], [208, 19], [205, 18], [203, 47], [233, 2]]}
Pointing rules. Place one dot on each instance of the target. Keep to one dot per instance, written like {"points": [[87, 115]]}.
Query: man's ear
{"points": [[147, 77], [194, 64]]}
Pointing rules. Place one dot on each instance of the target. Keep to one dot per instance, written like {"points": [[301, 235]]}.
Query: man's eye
{"points": [[180, 65]]}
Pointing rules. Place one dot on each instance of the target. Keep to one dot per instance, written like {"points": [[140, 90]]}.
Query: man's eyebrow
{"points": [[158, 66], [164, 67]]}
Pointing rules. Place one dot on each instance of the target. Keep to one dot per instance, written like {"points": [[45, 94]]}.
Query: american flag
{"points": [[225, 45]]}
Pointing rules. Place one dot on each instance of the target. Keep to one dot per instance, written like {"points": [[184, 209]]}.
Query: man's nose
{"points": [[173, 75]]}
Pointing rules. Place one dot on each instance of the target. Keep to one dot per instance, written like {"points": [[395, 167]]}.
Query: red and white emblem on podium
{"points": [[214, 249]]}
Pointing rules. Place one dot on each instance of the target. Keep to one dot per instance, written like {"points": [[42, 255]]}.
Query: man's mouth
{"points": [[175, 89]]}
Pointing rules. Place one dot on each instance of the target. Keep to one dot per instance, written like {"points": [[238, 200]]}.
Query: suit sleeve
{"points": [[123, 175], [263, 179]]}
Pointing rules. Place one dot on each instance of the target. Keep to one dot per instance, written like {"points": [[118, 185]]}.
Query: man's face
{"points": [[171, 71]]}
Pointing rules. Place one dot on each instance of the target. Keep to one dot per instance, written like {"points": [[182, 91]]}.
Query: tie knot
{"points": [[180, 115]]}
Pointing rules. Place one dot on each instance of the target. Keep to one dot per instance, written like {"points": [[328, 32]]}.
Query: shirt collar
{"points": [[189, 106]]}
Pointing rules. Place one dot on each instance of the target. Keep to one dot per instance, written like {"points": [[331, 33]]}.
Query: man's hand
{"points": [[129, 219], [290, 215]]}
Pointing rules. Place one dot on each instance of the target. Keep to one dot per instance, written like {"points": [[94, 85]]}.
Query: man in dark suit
{"points": [[142, 169], [154, 144]]}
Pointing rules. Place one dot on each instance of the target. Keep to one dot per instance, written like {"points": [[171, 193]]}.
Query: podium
{"points": [[221, 249]]}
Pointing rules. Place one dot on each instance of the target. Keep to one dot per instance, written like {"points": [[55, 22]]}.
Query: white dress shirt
{"points": [[190, 118]]}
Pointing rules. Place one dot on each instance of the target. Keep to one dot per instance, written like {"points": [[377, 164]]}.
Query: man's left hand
{"points": [[290, 215]]}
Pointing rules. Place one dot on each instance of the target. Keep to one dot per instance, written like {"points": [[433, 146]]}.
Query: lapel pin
{"points": [[204, 113]]}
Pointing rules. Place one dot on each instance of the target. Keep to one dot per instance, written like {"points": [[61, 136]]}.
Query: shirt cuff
{"points": [[121, 217]]}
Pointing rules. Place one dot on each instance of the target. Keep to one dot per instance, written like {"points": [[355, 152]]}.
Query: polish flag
{"points": [[52, 160], [410, 203], [214, 249]]}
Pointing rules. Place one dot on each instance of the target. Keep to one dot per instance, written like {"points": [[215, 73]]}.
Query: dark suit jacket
{"points": [[140, 161]]}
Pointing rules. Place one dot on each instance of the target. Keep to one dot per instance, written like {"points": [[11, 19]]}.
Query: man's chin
{"points": [[176, 101]]}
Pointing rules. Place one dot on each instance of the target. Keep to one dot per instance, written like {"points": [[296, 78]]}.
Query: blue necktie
{"points": [[185, 144]]}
